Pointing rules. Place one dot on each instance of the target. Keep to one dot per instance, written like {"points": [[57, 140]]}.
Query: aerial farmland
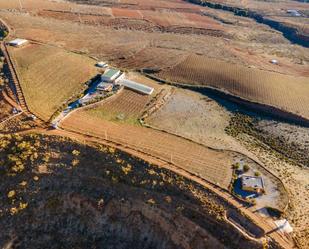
{"points": [[154, 124]]}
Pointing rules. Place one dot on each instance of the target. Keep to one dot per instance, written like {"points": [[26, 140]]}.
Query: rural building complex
{"points": [[111, 75], [253, 184]]}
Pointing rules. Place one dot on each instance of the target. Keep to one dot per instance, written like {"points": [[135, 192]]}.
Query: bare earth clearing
{"points": [[194, 116]]}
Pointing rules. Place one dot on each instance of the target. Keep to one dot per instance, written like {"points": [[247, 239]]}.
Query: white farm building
{"points": [[137, 87], [110, 75], [102, 64], [18, 42]]}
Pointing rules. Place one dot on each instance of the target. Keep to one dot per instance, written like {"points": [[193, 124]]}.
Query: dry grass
{"points": [[50, 76], [285, 92]]}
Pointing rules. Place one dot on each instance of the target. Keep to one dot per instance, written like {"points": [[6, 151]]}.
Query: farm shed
{"points": [[102, 64], [110, 75], [293, 12], [104, 86], [18, 42], [253, 184], [137, 87]]}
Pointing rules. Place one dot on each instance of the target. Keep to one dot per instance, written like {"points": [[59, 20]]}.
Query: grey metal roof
{"points": [[137, 86], [252, 181], [109, 73]]}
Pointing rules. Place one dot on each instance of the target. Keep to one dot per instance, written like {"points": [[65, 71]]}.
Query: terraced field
{"points": [[212, 165], [125, 107], [50, 76], [288, 93]]}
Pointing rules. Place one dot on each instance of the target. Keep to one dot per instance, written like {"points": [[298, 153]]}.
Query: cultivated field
{"points": [[151, 58], [126, 107], [49, 76], [118, 43], [143, 20], [285, 92], [210, 164]]}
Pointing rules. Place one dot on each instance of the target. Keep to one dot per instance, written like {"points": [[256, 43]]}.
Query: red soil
{"points": [[126, 13]]}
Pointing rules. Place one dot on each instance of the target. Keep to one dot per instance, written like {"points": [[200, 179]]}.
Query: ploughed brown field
{"points": [[285, 92]]}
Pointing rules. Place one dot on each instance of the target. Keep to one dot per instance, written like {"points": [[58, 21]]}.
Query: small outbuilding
{"points": [[18, 42], [273, 61], [293, 12], [252, 184], [102, 64], [105, 87]]}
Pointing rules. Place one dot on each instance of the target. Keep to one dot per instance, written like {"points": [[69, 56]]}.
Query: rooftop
{"points": [[104, 85], [111, 72], [18, 41], [101, 64], [137, 86], [252, 181]]}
